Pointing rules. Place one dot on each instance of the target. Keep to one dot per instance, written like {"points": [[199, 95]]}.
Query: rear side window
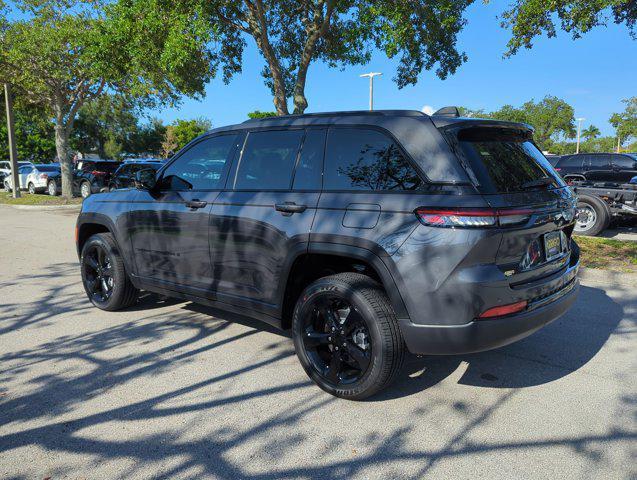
{"points": [[575, 162], [365, 159], [503, 159], [622, 161], [599, 161], [268, 160], [309, 168]]}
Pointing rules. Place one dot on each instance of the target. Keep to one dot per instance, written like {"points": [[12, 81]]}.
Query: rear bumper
{"points": [[481, 335]]}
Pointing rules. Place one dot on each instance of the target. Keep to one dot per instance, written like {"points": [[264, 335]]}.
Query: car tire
{"points": [[31, 189], [85, 189], [369, 336], [52, 188], [593, 216], [104, 276]]}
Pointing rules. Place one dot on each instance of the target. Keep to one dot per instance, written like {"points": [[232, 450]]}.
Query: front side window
{"points": [[268, 160], [364, 159], [201, 167]]}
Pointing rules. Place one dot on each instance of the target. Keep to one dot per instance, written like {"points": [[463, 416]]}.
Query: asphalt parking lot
{"points": [[173, 390]]}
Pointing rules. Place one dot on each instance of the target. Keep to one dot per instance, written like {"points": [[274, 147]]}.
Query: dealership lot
{"points": [[173, 390]]}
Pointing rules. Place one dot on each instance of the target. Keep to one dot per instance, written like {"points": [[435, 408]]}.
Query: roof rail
{"points": [[408, 113], [448, 112]]}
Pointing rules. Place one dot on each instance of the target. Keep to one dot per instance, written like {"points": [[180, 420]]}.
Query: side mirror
{"points": [[146, 179]]}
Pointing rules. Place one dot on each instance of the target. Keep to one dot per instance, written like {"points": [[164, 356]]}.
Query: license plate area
{"points": [[553, 245]]}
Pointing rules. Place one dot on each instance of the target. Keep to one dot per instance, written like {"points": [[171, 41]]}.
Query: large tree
{"points": [[180, 132], [107, 120], [625, 123], [552, 118], [528, 19], [292, 34], [64, 54]]}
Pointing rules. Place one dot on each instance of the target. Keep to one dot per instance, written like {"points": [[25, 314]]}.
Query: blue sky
{"points": [[593, 74]]}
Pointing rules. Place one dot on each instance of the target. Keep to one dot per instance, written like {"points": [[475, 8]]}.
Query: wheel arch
{"points": [[322, 259]]}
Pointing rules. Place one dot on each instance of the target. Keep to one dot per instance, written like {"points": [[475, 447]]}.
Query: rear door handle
{"points": [[196, 203], [290, 207]]}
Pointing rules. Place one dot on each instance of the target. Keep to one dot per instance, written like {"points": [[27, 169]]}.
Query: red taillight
{"points": [[97, 173], [504, 310], [43, 176], [471, 217]]}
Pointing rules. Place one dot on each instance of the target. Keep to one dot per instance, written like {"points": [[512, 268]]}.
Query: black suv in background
{"points": [[598, 167], [368, 234], [92, 176], [124, 176]]}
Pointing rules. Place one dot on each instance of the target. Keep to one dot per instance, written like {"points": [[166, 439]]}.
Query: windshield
{"points": [[504, 160]]}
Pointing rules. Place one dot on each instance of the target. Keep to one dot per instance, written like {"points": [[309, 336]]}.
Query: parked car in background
{"points": [[5, 169], [24, 169], [598, 167], [93, 176], [367, 234], [124, 176], [38, 179]]}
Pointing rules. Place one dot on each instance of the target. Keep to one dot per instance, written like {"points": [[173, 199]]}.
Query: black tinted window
{"points": [[362, 159], [200, 167], [599, 161], [622, 161], [268, 160], [310, 165], [503, 159], [575, 162]]}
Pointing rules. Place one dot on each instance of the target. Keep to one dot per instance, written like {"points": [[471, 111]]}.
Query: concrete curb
{"points": [[608, 277], [45, 207]]}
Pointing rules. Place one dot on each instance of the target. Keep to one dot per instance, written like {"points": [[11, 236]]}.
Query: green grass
{"points": [[37, 199], [608, 254]]}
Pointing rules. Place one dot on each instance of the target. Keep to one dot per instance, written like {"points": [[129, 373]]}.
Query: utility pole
{"points": [[579, 128], [371, 76], [13, 155]]}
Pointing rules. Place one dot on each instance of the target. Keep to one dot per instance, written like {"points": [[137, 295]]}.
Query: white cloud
{"points": [[428, 109]]}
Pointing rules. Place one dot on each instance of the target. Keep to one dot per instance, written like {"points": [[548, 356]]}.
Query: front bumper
{"points": [[486, 334]]}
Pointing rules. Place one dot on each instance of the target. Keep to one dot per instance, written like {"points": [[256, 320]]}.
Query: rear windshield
{"points": [[48, 168], [503, 160], [109, 167]]}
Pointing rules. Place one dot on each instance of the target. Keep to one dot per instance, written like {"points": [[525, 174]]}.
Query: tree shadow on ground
{"points": [[53, 416]]}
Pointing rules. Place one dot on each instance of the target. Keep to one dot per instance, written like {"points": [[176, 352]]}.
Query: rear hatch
{"points": [[513, 176]]}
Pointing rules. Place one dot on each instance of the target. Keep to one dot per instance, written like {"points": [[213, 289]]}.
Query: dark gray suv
{"points": [[368, 234]]}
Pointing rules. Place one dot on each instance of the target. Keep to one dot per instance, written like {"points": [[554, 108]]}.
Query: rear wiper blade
{"points": [[540, 182]]}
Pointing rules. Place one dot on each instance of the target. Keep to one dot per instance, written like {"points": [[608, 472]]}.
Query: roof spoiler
{"points": [[448, 112]]}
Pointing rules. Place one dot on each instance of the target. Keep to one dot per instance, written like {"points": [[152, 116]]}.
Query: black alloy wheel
{"points": [[98, 274], [346, 335], [104, 275], [337, 341]]}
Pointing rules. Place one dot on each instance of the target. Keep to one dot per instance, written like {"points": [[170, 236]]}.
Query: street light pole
{"points": [[371, 76], [579, 128], [13, 155]]}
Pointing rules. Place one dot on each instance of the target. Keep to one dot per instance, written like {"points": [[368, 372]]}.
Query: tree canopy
{"points": [[64, 54], [528, 19], [292, 34], [180, 132]]}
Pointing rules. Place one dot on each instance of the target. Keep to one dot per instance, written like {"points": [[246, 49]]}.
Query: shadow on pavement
{"points": [[52, 416]]}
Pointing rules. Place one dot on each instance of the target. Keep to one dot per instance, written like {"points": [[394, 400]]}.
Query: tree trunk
{"points": [[62, 150]]}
